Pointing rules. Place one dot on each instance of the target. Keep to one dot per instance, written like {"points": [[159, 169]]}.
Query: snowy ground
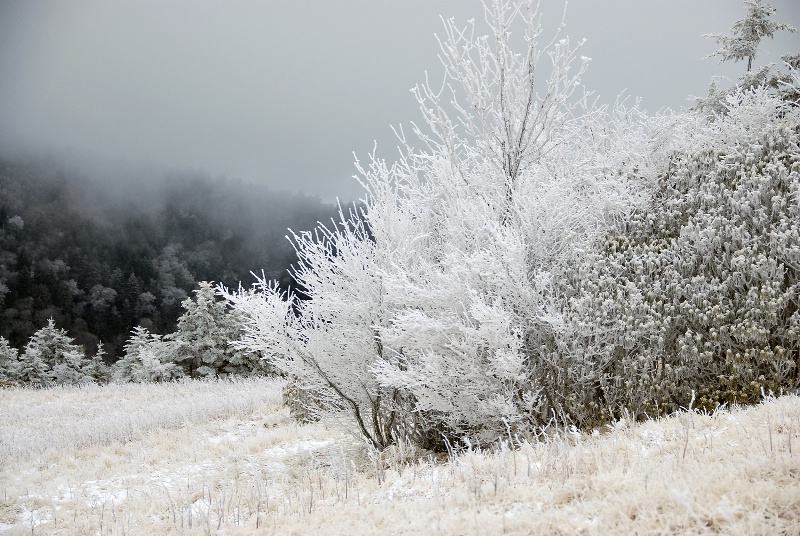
{"points": [[223, 458]]}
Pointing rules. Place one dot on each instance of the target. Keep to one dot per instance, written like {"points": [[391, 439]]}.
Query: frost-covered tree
{"points": [[743, 42], [32, 370], [516, 179], [71, 369], [96, 368], [51, 357], [147, 359], [201, 343], [329, 347], [173, 276], [746, 34], [436, 311], [9, 362], [101, 298]]}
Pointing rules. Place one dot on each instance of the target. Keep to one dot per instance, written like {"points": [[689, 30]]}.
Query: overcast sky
{"points": [[283, 92]]}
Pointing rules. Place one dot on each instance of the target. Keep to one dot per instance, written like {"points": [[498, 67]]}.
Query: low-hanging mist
{"points": [[101, 254]]}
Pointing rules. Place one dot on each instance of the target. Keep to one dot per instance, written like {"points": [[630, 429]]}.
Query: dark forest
{"points": [[101, 256]]}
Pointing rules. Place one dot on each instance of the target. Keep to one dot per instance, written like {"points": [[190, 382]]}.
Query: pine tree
{"points": [[9, 362], [746, 34], [53, 349], [96, 368], [202, 341], [147, 358]]}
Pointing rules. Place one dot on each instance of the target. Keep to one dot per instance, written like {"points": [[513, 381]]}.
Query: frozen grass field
{"points": [[224, 458]]}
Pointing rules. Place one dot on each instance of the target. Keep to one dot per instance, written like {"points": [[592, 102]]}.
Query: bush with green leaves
{"points": [[698, 295]]}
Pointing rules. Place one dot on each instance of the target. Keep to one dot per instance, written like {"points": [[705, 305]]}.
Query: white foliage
{"points": [[9, 361], [147, 358], [202, 342], [485, 224], [445, 308], [746, 34], [439, 305], [332, 344], [51, 357]]}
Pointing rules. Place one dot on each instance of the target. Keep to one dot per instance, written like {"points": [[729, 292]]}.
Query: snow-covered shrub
{"points": [[435, 313], [147, 359], [201, 343], [302, 403], [700, 292], [329, 347]]}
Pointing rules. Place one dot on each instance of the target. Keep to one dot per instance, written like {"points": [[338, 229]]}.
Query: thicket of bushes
{"points": [[541, 259], [700, 291]]}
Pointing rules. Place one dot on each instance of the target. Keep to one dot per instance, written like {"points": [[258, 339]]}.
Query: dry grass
{"points": [[252, 470], [32, 421]]}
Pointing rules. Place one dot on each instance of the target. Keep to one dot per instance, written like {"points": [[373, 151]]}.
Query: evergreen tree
{"points": [[63, 361], [32, 370], [742, 44], [202, 341], [9, 362], [96, 368], [147, 358], [746, 34], [70, 370]]}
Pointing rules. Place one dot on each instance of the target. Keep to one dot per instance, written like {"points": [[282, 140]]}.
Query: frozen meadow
{"points": [[219, 457]]}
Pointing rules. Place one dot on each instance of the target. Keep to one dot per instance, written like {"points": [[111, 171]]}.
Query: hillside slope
{"points": [[220, 457]]}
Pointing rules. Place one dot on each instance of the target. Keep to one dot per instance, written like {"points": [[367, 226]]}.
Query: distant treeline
{"points": [[101, 257]]}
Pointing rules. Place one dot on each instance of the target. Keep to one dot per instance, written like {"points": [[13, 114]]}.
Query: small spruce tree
{"points": [[51, 357], [742, 44], [32, 370], [746, 34], [202, 341], [96, 368], [147, 358], [9, 362]]}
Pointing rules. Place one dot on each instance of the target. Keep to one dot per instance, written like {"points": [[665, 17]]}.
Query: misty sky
{"points": [[283, 93]]}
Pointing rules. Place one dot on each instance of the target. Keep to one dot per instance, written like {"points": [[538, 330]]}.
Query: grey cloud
{"points": [[284, 92]]}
